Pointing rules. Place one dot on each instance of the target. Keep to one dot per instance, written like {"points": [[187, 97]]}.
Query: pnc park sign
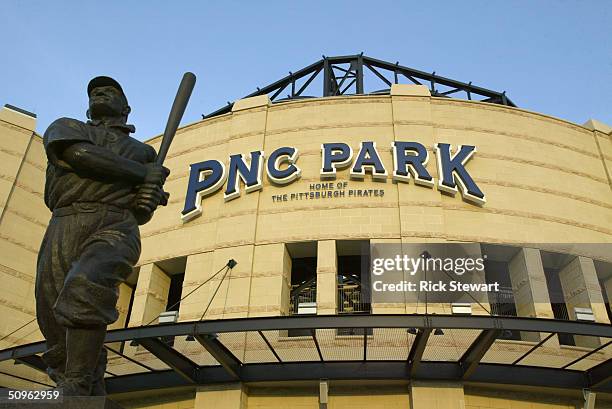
{"points": [[409, 161]]}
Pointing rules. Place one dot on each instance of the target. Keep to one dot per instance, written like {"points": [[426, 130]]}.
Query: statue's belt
{"points": [[87, 207]]}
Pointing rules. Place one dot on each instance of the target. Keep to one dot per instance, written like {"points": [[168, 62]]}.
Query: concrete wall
{"points": [[362, 395], [23, 218]]}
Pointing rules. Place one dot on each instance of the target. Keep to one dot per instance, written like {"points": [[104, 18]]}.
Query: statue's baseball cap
{"points": [[103, 81]]}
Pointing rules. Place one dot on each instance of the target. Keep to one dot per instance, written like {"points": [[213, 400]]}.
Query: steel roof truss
{"points": [[178, 362]]}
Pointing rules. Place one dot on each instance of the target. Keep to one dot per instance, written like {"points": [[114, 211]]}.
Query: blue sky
{"points": [[553, 57]]}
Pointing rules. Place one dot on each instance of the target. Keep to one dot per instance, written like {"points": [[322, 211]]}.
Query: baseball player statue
{"points": [[101, 184]]}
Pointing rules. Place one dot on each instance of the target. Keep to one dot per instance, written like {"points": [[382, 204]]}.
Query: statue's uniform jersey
{"points": [[64, 186], [92, 241]]}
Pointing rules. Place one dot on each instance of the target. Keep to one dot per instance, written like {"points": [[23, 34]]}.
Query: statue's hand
{"points": [[148, 198], [142, 217], [156, 174]]}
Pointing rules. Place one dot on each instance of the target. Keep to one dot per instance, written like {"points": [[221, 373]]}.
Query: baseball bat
{"points": [[176, 114]]}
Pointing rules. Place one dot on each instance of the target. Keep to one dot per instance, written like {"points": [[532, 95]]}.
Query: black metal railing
{"points": [[302, 294], [351, 299], [502, 302]]}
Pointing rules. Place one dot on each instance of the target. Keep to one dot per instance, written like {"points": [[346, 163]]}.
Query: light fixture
{"points": [[438, 331], [460, 308], [412, 331], [584, 314], [190, 338]]}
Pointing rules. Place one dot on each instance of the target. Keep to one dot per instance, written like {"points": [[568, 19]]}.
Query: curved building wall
{"points": [[23, 218], [545, 180]]}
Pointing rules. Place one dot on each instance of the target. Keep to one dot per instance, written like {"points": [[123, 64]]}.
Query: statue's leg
{"points": [[85, 307], [87, 302], [54, 333], [83, 347], [54, 260], [98, 387]]}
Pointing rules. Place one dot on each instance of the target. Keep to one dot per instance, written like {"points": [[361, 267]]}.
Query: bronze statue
{"points": [[100, 185]]}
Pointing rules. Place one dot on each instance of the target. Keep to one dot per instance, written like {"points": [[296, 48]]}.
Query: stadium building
{"points": [[249, 292]]}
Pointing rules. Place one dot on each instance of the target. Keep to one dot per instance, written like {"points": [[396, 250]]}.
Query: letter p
{"points": [[204, 179], [334, 156]]}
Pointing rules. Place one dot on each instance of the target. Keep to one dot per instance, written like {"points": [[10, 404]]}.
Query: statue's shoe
{"points": [[75, 386]]}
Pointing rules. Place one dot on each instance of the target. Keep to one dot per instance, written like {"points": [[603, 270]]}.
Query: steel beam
{"points": [[600, 374], [533, 348], [178, 362], [426, 76], [599, 348], [223, 355], [533, 376], [23, 350], [34, 362], [471, 358], [326, 78], [146, 381], [338, 321], [308, 81], [379, 75], [278, 358], [359, 370], [286, 80], [347, 74], [132, 360], [416, 352], [313, 332], [22, 378]]}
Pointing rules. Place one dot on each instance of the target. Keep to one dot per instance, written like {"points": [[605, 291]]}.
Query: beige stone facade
{"points": [[546, 181]]}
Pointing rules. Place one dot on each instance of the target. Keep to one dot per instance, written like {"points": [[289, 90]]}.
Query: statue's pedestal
{"points": [[68, 402]]}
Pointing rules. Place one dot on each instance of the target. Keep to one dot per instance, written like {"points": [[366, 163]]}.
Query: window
{"points": [[497, 270], [553, 263], [303, 280], [303, 291], [174, 293], [353, 282], [175, 270], [303, 286], [501, 302]]}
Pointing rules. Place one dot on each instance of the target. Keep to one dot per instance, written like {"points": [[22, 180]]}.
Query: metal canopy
{"points": [[438, 347], [359, 75]]}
